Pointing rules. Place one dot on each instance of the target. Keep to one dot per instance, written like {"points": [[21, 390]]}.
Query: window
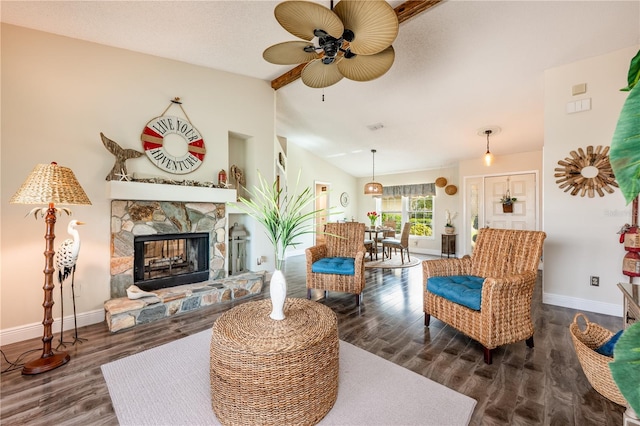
{"points": [[392, 211], [421, 215], [417, 209]]}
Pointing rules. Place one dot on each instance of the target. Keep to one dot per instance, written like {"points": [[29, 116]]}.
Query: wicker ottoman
{"points": [[274, 372]]}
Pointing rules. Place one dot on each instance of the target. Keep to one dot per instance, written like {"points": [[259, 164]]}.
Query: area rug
{"points": [[394, 262], [169, 385]]}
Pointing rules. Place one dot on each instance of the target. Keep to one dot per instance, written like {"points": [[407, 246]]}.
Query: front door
{"points": [[522, 187], [484, 209]]}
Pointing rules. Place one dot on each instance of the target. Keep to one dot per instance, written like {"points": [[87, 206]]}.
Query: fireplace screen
{"points": [[169, 260]]}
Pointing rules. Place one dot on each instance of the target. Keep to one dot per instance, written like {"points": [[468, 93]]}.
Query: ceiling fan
{"points": [[352, 40]]}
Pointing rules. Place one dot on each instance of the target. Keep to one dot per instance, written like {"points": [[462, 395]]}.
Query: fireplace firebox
{"points": [[167, 260]]}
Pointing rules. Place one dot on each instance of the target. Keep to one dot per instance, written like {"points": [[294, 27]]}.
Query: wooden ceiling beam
{"points": [[409, 9], [405, 11]]}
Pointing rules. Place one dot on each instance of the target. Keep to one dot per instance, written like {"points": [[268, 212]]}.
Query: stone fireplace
{"points": [[180, 234], [131, 219]]}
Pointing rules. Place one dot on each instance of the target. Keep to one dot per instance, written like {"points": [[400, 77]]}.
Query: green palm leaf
{"points": [[625, 367], [625, 146], [281, 214]]}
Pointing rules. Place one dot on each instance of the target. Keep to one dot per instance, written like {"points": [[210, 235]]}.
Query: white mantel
{"points": [[121, 190]]}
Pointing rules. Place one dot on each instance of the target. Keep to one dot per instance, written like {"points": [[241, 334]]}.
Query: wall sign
{"points": [[153, 143]]}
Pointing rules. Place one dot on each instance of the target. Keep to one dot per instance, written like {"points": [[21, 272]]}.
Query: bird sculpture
{"points": [[66, 258]]}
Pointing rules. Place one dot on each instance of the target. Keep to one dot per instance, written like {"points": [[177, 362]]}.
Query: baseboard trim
{"points": [[613, 309], [30, 331]]}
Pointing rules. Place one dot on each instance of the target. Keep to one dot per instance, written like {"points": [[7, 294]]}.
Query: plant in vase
{"points": [[373, 216], [507, 202], [448, 226], [284, 219]]}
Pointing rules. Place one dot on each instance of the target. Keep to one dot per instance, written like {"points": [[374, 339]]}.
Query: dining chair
{"points": [[402, 243]]}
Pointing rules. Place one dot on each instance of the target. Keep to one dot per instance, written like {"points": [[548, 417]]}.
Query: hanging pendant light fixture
{"points": [[488, 156], [488, 131], [373, 187]]}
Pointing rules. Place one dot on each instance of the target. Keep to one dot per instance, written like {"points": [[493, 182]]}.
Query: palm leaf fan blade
{"points": [[318, 75], [625, 145], [373, 22], [289, 53], [365, 68], [302, 18]]}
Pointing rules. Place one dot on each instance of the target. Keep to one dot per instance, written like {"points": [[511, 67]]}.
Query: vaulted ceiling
{"points": [[460, 66]]}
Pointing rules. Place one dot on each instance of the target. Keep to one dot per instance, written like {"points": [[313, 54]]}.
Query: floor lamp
{"points": [[49, 184]]}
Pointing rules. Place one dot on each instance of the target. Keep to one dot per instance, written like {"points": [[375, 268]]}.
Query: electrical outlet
{"points": [[595, 281]]}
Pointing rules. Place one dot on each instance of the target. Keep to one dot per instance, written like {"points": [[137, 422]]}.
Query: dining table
{"points": [[376, 234]]}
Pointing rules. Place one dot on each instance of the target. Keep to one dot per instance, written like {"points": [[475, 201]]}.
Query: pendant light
{"points": [[488, 156], [373, 187], [488, 131]]}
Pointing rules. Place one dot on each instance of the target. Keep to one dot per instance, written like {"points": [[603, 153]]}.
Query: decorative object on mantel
{"points": [[153, 136], [441, 182], [49, 184], [284, 219], [66, 258], [222, 178], [119, 169], [586, 172], [238, 177]]}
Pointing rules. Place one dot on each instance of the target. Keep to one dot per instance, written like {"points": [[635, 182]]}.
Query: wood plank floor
{"points": [[523, 386]]}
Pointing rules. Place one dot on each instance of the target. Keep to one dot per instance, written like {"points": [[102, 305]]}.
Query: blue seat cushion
{"points": [[465, 290], [334, 265]]}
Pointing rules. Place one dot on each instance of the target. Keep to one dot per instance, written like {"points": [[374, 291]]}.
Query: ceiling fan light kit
{"points": [[353, 40]]}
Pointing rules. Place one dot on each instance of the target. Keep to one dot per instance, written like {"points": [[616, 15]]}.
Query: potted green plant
{"points": [[625, 162], [507, 202], [284, 218]]}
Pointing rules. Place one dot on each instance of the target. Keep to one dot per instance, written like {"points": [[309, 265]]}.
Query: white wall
{"points": [[581, 232], [58, 94], [314, 169]]}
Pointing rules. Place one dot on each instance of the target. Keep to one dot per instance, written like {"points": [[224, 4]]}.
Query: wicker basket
{"points": [[594, 365]]}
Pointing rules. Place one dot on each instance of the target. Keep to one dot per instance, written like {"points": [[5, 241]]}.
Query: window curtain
{"points": [[418, 189]]}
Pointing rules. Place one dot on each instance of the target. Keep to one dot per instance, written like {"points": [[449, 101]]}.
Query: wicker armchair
{"points": [[507, 260], [342, 240]]}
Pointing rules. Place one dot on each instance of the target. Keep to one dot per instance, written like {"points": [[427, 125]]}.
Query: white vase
{"points": [[278, 293]]}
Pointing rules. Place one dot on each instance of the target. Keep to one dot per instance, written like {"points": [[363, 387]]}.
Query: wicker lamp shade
{"points": [[50, 183], [372, 188]]}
